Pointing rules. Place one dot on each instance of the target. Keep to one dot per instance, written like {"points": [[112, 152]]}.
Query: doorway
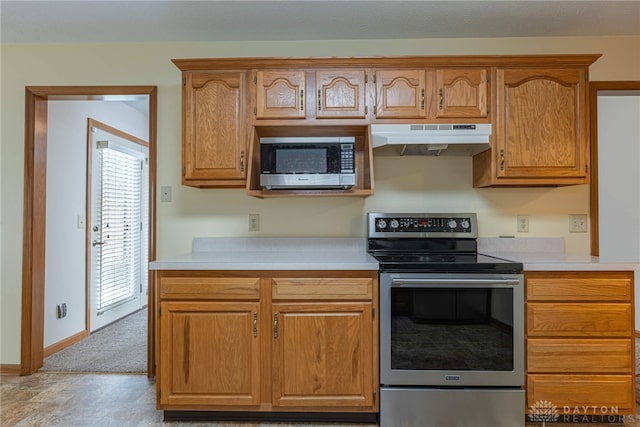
{"points": [[35, 188], [117, 223]]}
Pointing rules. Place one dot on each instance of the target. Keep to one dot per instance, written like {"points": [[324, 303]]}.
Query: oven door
{"points": [[458, 330]]}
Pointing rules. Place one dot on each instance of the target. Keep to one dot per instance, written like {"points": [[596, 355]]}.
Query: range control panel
{"points": [[420, 225]]}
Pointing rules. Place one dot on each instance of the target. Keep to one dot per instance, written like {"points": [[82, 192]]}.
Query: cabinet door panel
{"points": [[461, 93], [341, 94], [322, 355], [578, 320], [400, 94], [280, 95], [541, 129], [214, 143], [588, 393], [211, 355]]}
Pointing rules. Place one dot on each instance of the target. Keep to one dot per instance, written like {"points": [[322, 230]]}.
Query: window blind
{"points": [[118, 211]]}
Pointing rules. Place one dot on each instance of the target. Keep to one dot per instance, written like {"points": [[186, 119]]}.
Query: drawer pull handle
{"points": [[275, 325], [255, 324], [501, 160]]}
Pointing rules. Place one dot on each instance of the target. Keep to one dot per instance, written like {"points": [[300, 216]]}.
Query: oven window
{"points": [[301, 160], [452, 329]]}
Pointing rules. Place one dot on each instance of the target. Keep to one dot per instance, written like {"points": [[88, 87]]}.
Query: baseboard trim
{"points": [[7, 369], [54, 348]]}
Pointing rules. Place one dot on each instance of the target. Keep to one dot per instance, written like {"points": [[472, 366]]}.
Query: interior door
{"points": [[118, 226]]}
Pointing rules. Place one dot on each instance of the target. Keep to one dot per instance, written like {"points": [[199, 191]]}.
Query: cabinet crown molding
{"points": [[560, 60]]}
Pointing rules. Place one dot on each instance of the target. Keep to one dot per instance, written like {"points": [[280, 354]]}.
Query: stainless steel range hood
{"points": [[430, 139]]}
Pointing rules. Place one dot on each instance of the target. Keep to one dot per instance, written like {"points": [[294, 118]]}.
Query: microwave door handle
{"points": [[431, 283]]}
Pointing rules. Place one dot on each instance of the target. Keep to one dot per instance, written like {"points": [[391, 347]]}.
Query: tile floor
{"points": [[119, 400]]}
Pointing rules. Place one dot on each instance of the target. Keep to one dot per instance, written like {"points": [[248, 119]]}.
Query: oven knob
{"points": [[465, 224], [394, 223], [381, 224], [452, 224]]}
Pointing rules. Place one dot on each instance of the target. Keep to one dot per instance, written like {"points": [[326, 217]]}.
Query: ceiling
{"points": [[200, 21]]}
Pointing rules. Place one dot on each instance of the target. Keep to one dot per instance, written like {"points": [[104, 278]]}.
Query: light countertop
{"points": [[272, 253], [349, 253], [547, 254]]}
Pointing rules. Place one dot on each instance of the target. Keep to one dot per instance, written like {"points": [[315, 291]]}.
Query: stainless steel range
{"points": [[451, 325]]}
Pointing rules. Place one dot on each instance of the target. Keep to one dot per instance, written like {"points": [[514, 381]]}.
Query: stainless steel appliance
{"points": [[307, 162], [451, 325]]}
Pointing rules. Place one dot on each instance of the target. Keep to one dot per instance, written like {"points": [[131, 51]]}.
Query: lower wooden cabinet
{"points": [[580, 342], [322, 355], [267, 343], [209, 353]]}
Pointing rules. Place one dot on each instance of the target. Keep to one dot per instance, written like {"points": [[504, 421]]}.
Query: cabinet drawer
{"points": [[591, 394], [580, 356], [219, 288], [578, 320], [591, 286], [322, 288]]}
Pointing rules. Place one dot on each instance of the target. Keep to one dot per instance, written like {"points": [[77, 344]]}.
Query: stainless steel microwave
{"points": [[307, 162]]}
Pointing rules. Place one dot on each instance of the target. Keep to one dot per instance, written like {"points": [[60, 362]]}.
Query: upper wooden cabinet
{"points": [[461, 93], [536, 104], [400, 94], [340, 94], [280, 94], [214, 129], [432, 94], [540, 129]]}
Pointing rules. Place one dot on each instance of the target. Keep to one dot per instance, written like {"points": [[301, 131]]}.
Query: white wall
{"points": [[619, 176], [66, 200], [619, 179], [407, 184]]}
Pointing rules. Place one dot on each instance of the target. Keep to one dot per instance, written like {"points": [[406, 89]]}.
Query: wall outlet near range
{"points": [[578, 223], [523, 223]]}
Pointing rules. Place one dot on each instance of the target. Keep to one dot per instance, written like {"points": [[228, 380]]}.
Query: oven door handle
{"points": [[429, 283]]}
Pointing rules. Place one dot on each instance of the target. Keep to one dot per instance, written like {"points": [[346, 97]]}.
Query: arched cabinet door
{"points": [[340, 94], [461, 93], [213, 129], [400, 94], [281, 94], [541, 124]]}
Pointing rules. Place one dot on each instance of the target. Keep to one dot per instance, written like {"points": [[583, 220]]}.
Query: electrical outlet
{"points": [[165, 193], [80, 222], [523, 223], [254, 222], [578, 223]]}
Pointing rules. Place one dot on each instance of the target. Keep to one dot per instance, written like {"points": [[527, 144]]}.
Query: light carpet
{"points": [[118, 347]]}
